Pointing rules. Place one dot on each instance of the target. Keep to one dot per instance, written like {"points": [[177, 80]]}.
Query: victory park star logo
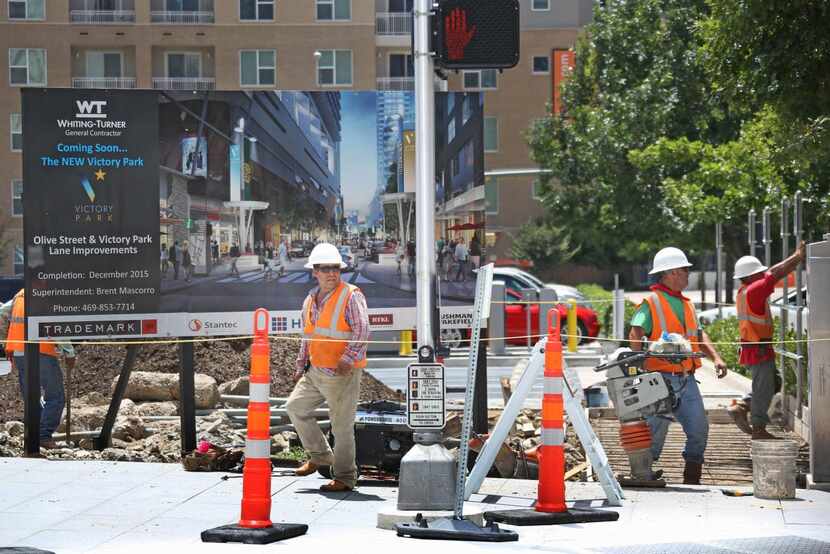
{"points": [[93, 212]]}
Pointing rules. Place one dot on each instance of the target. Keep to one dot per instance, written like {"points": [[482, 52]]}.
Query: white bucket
{"points": [[773, 468], [5, 367]]}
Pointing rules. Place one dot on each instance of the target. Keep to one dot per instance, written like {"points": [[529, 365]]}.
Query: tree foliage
{"points": [[681, 114], [545, 244], [638, 78]]}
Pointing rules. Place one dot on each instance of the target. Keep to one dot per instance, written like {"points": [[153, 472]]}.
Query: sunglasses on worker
{"points": [[327, 268]]}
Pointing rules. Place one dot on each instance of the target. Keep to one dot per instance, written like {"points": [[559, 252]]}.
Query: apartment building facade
{"points": [[247, 45]]}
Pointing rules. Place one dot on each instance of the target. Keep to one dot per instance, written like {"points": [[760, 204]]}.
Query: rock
{"points": [[279, 444], [115, 454], [239, 386], [90, 418], [15, 428], [129, 428], [157, 409], [527, 429], [160, 387], [529, 444]]}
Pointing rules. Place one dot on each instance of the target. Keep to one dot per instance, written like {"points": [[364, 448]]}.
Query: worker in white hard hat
{"points": [[329, 368], [666, 310], [755, 324]]}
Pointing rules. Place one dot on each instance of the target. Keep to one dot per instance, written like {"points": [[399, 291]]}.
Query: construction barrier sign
{"points": [[174, 214]]}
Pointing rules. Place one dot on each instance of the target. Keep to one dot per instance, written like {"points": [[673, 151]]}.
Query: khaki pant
{"points": [[341, 392]]}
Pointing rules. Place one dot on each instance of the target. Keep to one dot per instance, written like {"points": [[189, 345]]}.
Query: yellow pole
{"points": [[406, 343], [572, 338]]}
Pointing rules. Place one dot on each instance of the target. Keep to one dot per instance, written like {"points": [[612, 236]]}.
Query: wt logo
{"points": [[91, 109]]}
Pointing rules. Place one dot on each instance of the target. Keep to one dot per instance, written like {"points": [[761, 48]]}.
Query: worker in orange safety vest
{"points": [[756, 329], [666, 310], [329, 368], [51, 377]]}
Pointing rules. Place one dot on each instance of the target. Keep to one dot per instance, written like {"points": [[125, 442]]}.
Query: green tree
{"points": [[545, 244], [637, 79], [747, 48]]}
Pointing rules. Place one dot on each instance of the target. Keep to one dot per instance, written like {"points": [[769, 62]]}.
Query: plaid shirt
{"points": [[357, 316]]}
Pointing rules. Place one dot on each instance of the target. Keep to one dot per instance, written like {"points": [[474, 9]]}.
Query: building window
{"points": [[451, 130], [27, 66], [334, 10], [482, 79], [184, 65], [334, 68], [18, 259], [541, 65], [541, 5], [491, 195], [491, 134], [400, 65], [16, 127], [400, 6], [256, 10], [17, 197], [26, 9], [104, 64], [258, 67]]}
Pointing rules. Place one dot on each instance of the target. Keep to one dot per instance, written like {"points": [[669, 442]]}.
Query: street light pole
{"points": [[424, 173]]}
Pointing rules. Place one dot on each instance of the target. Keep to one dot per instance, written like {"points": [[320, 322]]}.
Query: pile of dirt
{"points": [[223, 360]]}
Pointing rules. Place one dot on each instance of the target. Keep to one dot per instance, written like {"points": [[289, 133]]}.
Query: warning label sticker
{"points": [[425, 394]]}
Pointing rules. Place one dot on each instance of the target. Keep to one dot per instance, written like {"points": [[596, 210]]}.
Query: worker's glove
{"points": [[720, 369]]}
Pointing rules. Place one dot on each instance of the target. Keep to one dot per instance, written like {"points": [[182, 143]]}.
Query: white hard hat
{"points": [[748, 265], [324, 253], [669, 258]]}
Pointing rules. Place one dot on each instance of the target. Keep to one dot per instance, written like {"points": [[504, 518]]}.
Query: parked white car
{"points": [[518, 279]]}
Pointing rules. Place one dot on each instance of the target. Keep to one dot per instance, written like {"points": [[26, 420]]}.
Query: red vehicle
{"points": [[515, 320]]}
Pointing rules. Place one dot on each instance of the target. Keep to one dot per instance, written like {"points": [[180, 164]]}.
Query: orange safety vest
{"points": [[17, 330], [663, 318], [331, 333], [753, 327]]}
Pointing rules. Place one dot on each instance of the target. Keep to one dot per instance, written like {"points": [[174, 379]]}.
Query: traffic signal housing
{"points": [[477, 34]]}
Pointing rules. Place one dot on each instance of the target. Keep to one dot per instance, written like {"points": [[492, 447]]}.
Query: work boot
{"points": [[738, 411], [306, 469], [760, 433], [691, 473]]}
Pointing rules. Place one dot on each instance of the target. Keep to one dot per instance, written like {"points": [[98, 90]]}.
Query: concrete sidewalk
{"points": [[75, 506]]}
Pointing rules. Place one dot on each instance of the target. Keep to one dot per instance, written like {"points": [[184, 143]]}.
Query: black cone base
{"points": [[263, 535], [454, 529], [532, 517]]}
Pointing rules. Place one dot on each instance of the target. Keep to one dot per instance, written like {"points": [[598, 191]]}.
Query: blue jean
{"points": [[51, 386], [689, 413]]}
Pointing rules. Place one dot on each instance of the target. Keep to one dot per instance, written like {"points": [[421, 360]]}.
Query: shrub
{"points": [[601, 301]]}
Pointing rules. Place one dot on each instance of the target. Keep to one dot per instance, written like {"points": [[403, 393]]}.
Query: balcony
{"points": [[103, 82], [102, 16], [184, 83], [393, 23], [396, 83], [182, 17]]}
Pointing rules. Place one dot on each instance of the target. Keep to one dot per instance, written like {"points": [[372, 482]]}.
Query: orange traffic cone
{"points": [[550, 503], [255, 525]]}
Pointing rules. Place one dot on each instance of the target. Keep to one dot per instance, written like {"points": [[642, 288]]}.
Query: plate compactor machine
{"points": [[636, 394]]}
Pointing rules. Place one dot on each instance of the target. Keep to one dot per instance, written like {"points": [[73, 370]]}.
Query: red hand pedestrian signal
{"points": [[456, 33]]}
